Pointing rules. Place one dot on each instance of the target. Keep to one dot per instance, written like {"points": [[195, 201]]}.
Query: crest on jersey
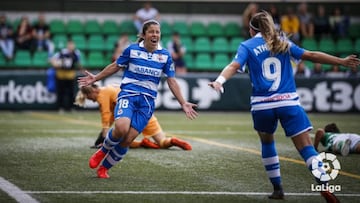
{"points": [[160, 58]]}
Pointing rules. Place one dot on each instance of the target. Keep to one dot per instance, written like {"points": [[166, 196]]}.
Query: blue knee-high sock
{"points": [[271, 163], [109, 142], [308, 153], [115, 156]]}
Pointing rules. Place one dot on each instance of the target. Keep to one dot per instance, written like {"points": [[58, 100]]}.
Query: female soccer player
{"points": [[143, 63], [106, 98], [267, 55]]}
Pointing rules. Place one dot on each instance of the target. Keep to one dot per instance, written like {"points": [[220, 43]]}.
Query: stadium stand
{"points": [[96, 42], [92, 27], [40, 59], [202, 44], [23, 58], [215, 29], [181, 27], [110, 27], [203, 62], [198, 29], [74, 26], [220, 44], [206, 42]]}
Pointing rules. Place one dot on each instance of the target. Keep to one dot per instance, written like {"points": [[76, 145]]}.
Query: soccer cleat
{"points": [[100, 139], [345, 149], [102, 172], [148, 144], [329, 197], [96, 158], [342, 147], [182, 144], [277, 194]]}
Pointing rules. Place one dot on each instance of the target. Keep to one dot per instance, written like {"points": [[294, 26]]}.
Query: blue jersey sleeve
{"points": [[124, 58], [169, 68], [296, 51], [241, 57]]}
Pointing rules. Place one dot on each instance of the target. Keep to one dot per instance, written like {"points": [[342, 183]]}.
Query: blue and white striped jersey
{"points": [[143, 69], [272, 79]]}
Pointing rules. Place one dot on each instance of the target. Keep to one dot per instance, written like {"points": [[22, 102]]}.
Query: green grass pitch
{"points": [[45, 154]]}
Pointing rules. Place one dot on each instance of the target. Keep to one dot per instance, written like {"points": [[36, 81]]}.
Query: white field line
{"points": [[183, 193], [72, 131], [15, 192]]}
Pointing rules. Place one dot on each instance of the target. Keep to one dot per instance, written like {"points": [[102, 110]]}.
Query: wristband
{"points": [[221, 79]]}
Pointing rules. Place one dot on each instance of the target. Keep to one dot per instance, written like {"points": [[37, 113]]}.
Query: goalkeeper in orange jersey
{"points": [[106, 97]]}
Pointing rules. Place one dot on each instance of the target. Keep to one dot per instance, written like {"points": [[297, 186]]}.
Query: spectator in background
{"points": [[335, 72], [275, 15], [352, 72], [42, 35], [302, 70], [290, 24], [317, 70], [339, 23], [321, 23], [120, 45], [177, 51], [66, 62], [248, 13], [24, 35], [306, 21], [147, 12], [6, 38]]}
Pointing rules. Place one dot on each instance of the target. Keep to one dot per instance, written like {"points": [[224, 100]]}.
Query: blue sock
{"points": [[308, 153], [109, 142], [115, 156], [271, 163]]}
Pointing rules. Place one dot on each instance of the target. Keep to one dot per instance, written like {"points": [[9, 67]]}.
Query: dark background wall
{"points": [[191, 7]]}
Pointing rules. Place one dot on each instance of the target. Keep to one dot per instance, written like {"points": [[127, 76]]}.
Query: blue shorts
{"points": [[293, 119], [138, 108]]}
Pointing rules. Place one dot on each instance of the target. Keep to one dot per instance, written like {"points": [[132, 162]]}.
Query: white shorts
{"points": [[354, 138]]}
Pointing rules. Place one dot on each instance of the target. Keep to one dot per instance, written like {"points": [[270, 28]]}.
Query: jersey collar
{"points": [[142, 45], [258, 34]]}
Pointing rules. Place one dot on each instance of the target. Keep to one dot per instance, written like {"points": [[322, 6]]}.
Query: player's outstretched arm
{"points": [[90, 78], [187, 107], [225, 74], [321, 57]]}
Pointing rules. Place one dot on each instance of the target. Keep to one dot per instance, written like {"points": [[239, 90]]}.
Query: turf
{"points": [[46, 155]]}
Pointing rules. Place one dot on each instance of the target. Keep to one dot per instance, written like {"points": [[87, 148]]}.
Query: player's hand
{"points": [[351, 61], [86, 80], [188, 108], [217, 86]]}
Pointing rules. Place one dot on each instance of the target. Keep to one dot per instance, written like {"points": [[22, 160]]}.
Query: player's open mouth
{"points": [[154, 40]]}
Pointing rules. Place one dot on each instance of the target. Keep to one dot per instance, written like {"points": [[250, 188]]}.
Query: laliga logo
{"points": [[325, 166]]}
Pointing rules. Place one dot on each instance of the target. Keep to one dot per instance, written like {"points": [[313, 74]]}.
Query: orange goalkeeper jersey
{"points": [[107, 99]]}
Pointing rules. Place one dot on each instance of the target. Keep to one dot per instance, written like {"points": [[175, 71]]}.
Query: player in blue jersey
{"points": [[267, 55], [143, 63]]}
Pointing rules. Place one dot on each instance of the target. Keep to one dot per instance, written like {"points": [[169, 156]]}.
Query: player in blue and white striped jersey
{"points": [[144, 64], [267, 55]]}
